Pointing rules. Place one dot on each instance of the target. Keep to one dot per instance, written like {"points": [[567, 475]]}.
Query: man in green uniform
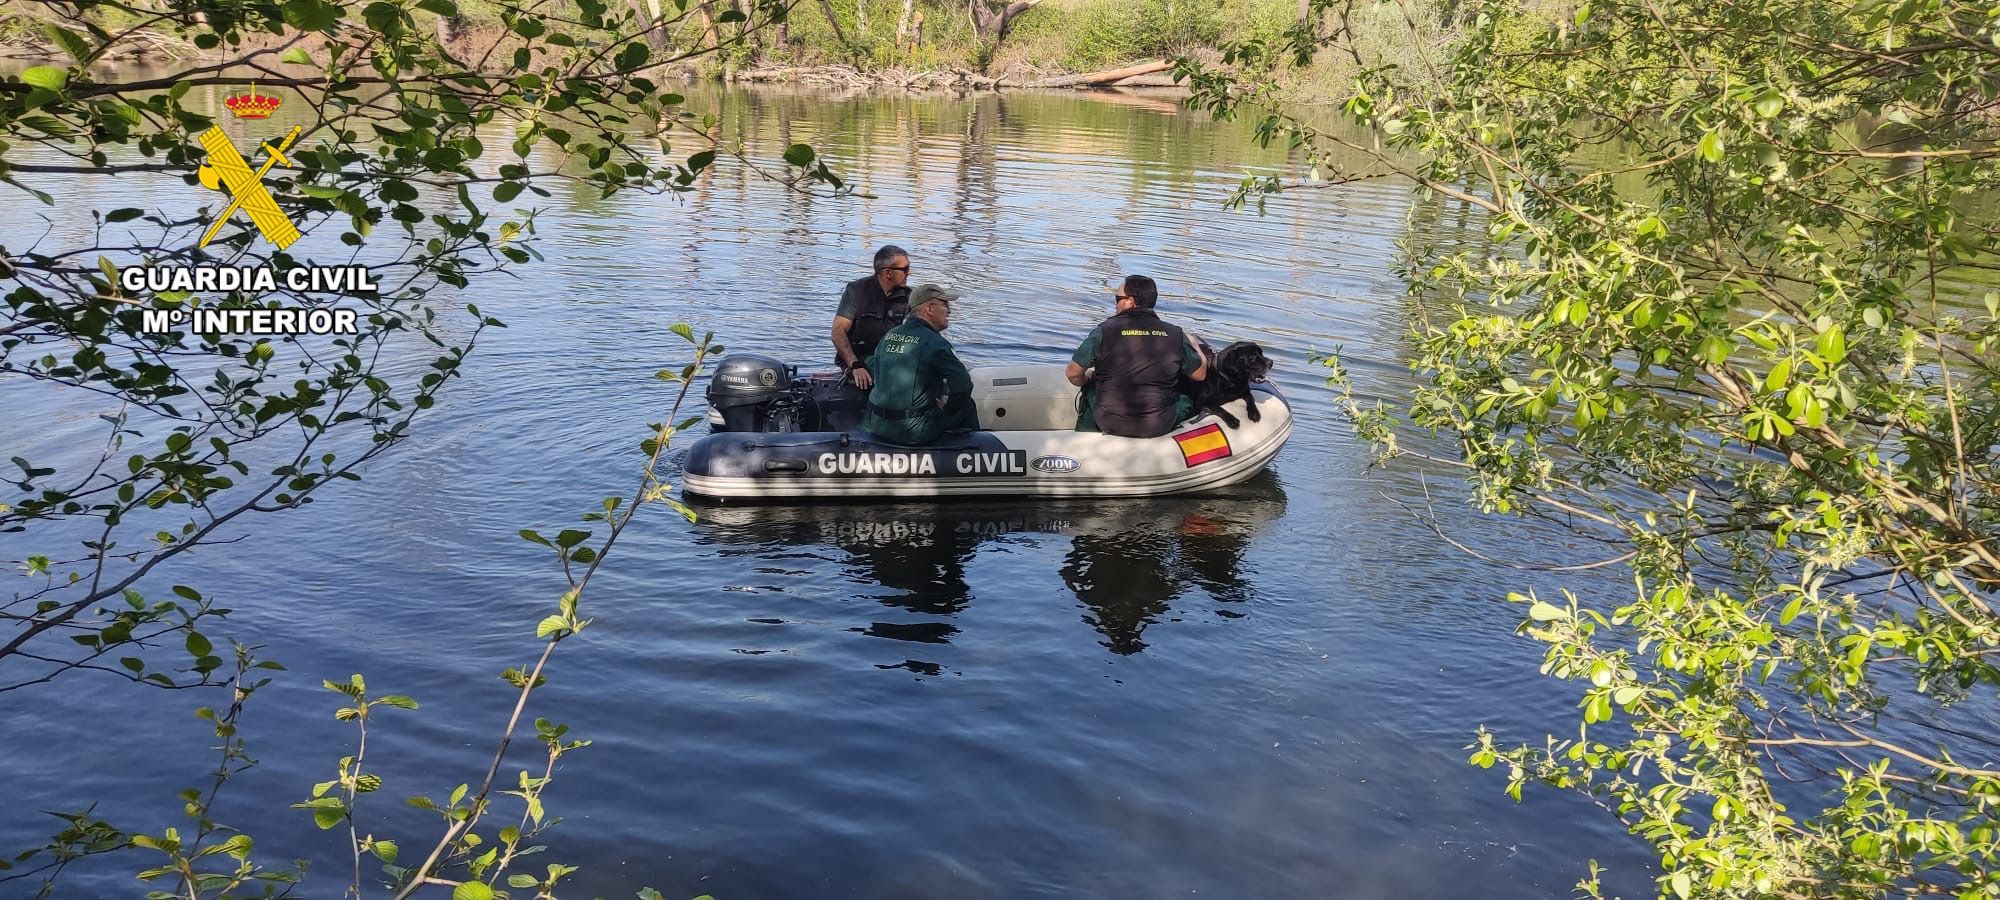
{"points": [[1131, 365], [922, 392]]}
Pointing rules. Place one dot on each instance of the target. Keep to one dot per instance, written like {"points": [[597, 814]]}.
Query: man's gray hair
{"points": [[887, 256]]}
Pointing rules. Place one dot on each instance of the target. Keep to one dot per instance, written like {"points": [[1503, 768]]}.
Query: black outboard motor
{"points": [[753, 393]]}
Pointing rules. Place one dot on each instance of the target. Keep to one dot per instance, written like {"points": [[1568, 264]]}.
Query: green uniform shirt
{"points": [[1086, 356], [914, 368]]}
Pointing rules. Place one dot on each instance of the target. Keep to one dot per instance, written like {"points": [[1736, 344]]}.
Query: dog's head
{"points": [[1243, 361]]}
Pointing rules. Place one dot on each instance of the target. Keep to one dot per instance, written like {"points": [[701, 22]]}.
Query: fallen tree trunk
{"points": [[1149, 81], [1108, 76]]}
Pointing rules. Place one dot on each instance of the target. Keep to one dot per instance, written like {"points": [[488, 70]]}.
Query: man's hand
{"points": [[862, 379]]}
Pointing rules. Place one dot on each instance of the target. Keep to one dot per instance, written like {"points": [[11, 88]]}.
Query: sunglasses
{"points": [[1121, 296], [895, 268]]}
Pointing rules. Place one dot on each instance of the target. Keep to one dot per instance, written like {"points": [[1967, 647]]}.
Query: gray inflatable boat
{"points": [[775, 435]]}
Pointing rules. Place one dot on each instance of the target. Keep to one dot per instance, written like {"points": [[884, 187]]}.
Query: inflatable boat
{"points": [[775, 435]]}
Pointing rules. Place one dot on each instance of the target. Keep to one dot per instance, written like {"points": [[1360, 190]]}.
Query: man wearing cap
{"points": [[869, 307], [1130, 367], [922, 392]]}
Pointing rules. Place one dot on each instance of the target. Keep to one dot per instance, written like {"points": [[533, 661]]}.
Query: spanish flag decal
{"points": [[1203, 445]]}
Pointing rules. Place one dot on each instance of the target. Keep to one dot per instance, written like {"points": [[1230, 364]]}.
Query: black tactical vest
{"points": [[1138, 370], [877, 314]]}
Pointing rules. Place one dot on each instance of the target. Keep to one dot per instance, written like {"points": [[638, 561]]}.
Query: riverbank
{"points": [[877, 44], [1149, 74]]}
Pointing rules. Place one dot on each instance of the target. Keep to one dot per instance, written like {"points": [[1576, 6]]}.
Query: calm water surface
{"points": [[1260, 693]]}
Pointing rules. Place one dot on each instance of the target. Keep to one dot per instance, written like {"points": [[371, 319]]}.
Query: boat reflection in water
{"points": [[1127, 559]]}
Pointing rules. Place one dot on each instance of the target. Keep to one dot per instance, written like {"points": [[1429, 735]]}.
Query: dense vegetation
{"points": [[876, 35], [1733, 320]]}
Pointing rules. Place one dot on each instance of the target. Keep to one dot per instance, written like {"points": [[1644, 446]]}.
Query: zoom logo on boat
{"points": [[1059, 464], [1005, 462]]}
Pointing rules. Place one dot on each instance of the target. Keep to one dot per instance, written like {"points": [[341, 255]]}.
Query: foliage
{"points": [[1095, 34], [1737, 322]]}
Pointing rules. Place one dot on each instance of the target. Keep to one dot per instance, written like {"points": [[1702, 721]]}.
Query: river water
{"points": [[1261, 693]]}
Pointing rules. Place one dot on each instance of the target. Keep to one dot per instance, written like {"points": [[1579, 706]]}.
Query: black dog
{"points": [[1230, 374]]}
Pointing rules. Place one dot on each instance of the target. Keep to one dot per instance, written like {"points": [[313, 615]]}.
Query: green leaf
{"points": [[198, 645], [1832, 344], [550, 626], [46, 77], [124, 214], [571, 537], [238, 846], [1768, 103], [506, 191], [71, 42], [399, 701], [800, 155], [311, 15], [1781, 375], [1544, 611], [444, 8], [522, 881], [1710, 147], [384, 851], [471, 890], [682, 329], [328, 816], [296, 56], [633, 56]]}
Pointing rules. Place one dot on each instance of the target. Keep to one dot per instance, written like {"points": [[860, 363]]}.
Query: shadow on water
{"points": [[1129, 559]]}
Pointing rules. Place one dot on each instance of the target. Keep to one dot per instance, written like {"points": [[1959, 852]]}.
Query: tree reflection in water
{"points": [[1128, 561]]}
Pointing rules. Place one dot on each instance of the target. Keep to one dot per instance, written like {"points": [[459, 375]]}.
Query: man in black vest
{"points": [[869, 307], [1130, 368]]}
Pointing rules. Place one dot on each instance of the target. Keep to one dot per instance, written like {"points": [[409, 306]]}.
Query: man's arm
{"points": [[1084, 357], [946, 364], [844, 351], [1194, 363]]}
